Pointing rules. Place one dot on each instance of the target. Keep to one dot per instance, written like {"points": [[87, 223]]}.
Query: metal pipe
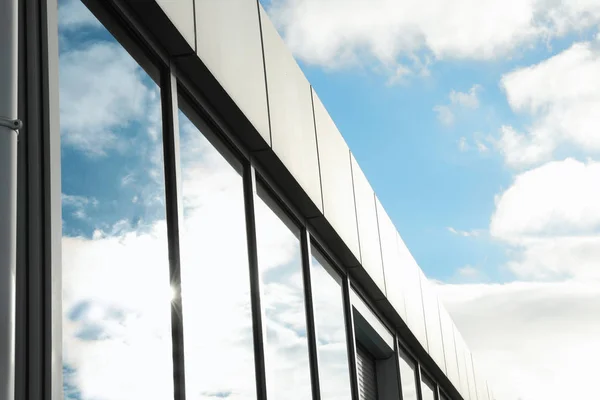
{"points": [[8, 193]]}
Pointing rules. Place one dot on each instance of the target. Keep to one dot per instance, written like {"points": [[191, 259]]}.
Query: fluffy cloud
{"points": [[102, 93], [78, 204], [481, 147], [550, 218], [339, 32], [532, 340], [73, 15], [444, 114], [466, 99], [561, 96], [457, 101], [558, 198]]}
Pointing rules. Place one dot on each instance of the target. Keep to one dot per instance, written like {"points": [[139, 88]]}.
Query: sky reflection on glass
{"points": [[116, 294], [427, 392], [331, 330], [407, 379], [286, 350], [217, 315]]}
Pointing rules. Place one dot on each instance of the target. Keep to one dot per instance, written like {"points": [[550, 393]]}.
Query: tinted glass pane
{"points": [[331, 330], [427, 389], [116, 292], [219, 355], [288, 375], [407, 378]]}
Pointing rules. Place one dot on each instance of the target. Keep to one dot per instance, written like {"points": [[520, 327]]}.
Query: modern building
{"points": [[180, 218]]}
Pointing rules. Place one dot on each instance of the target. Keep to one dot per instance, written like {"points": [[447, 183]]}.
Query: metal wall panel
{"points": [[449, 347], [482, 393], [462, 366], [480, 382], [293, 136], [229, 44], [368, 231], [432, 322], [336, 177], [412, 294], [181, 14], [391, 261], [471, 374]]}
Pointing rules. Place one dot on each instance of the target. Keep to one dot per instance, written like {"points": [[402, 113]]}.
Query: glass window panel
{"points": [[288, 374], [331, 330], [427, 389], [116, 292], [217, 313], [408, 378]]}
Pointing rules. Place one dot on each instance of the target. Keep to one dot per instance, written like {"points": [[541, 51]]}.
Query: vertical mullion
{"points": [[258, 327], [351, 338], [399, 375], [311, 329], [39, 315], [174, 220]]}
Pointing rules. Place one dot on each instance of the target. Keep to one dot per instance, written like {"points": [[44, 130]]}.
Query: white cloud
{"points": [[519, 150], [101, 93], [468, 274], [468, 271], [532, 340], [550, 216], [400, 74], [342, 32], [78, 201], [557, 258], [466, 99], [471, 233], [481, 147], [444, 115], [457, 101], [561, 95], [558, 198], [78, 205], [73, 15], [462, 144]]}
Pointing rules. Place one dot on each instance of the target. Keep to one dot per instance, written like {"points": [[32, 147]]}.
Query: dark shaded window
{"points": [[427, 389]]}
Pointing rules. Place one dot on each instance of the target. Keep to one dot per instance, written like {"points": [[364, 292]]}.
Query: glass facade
{"points": [[214, 271], [280, 265], [115, 266], [408, 377], [331, 329], [427, 389], [122, 261]]}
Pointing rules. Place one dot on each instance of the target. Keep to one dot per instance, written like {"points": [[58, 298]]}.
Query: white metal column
{"points": [[8, 192]]}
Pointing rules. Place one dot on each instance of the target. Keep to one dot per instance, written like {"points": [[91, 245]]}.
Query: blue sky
{"points": [[414, 162]]}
